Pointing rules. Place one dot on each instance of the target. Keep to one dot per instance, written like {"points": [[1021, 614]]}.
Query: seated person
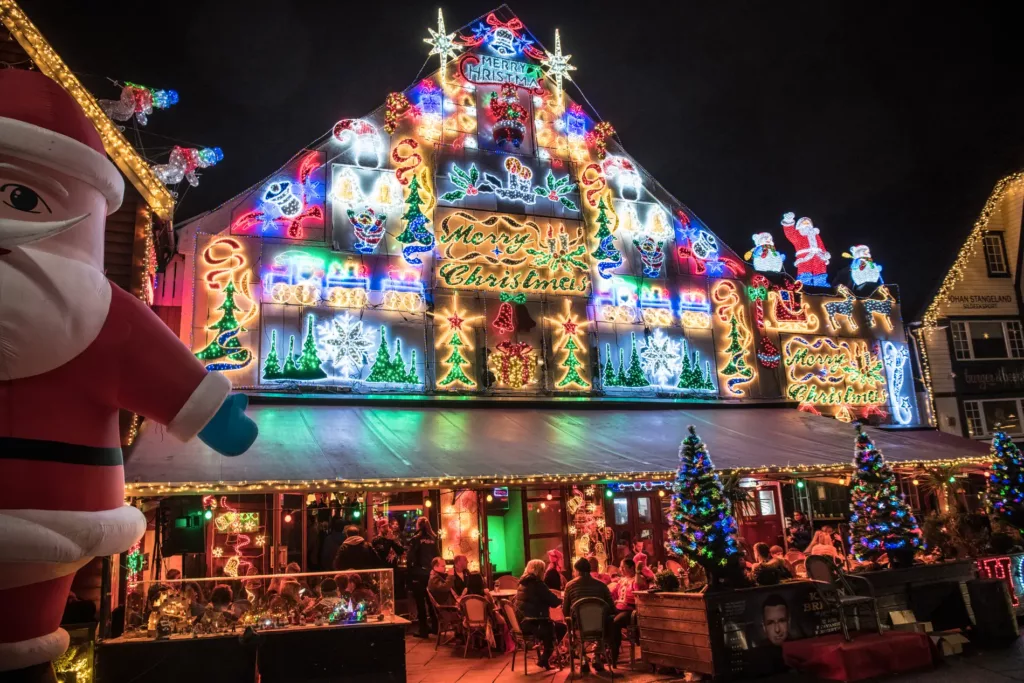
{"points": [[533, 604], [642, 570], [190, 590], [475, 585], [440, 585], [460, 572], [360, 592], [218, 615], [586, 586], [779, 554], [597, 574], [768, 571]]}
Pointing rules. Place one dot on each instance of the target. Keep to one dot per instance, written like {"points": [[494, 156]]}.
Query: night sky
{"points": [[886, 123]]}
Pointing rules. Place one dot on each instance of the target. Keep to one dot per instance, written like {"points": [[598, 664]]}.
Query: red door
{"points": [[760, 519]]}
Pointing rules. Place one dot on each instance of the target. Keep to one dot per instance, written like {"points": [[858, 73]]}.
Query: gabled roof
{"points": [[969, 247], [132, 165], [536, 47]]}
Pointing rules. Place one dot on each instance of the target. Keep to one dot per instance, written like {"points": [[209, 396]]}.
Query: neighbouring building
{"points": [[970, 338]]}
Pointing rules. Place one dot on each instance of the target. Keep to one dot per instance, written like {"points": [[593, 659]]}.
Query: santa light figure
{"points": [[811, 257], [75, 350], [767, 259], [863, 270]]}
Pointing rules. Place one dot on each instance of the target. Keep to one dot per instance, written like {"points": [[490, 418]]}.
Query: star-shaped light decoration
{"points": [[570, 327], [456, 320], [442, 44], [557, 65]]}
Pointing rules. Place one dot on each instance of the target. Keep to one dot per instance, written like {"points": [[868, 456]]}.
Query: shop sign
{"points": [[975, 377], [500, 253], [979, 301]]}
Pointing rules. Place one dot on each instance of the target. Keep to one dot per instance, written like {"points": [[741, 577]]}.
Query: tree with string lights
{"points": [[702, 528], [1006, 481], [880, 519]]}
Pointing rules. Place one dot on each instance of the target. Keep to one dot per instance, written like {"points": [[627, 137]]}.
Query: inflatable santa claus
{"points": [[811, 258], [74, 350]]}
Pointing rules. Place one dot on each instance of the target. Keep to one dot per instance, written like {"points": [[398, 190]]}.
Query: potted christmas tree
{"points": [[702, 528], [880, 520], [1006, 481]]}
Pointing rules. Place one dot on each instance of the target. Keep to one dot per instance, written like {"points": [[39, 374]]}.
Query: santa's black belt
{"points": [[12, 447]]}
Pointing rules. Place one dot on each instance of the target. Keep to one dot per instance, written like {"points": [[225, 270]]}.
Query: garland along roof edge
{"points": [[121, 152], [503, 12], [956, 271]]}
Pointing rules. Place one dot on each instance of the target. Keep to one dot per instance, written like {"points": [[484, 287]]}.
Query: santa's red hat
{"points": [[42, 123]]}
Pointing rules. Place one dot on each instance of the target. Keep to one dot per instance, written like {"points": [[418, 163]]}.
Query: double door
{"points": [[637, 521]]}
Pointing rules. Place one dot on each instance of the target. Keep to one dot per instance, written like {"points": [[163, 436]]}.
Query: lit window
{"points": [[961, 347], [766, 498], [621, 507], [973, 412], [995, 255]]}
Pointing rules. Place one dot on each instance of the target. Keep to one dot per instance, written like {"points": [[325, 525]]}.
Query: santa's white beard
{"points": [[51, 308]]}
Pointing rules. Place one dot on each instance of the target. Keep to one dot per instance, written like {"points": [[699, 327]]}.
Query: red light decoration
{"points": [[395, 106], [999, 568], [402, 171]]}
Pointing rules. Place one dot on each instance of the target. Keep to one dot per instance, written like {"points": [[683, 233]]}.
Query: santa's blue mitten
{"points": [[231, 431]]}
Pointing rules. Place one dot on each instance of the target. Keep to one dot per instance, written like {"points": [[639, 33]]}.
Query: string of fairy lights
{"points": [[141, 489], [121, 152]]}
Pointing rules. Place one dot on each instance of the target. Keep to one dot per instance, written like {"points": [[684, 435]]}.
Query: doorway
{"points": [[761, 518], [637, 521]]}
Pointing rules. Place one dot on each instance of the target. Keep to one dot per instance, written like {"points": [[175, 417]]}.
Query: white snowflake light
{"points": [[442, 44], [346, 343], [661, 358]]}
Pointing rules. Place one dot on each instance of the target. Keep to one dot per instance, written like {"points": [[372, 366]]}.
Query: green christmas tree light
{"points": [[611, 379], [607, 256], [416, 237], [736, 368], [1006, 480], [622, 367], [226, 343], [456, 361], [880, 519], [290, 368], [635, 376], [309, 362], [572, 376], [272, 366], [391, 368], [692, 378], [701, 527]]}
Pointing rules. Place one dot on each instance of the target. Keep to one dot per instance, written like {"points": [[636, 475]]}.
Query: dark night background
{"points": [[887, 123]]}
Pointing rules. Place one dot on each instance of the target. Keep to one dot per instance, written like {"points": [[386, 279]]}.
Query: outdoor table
{"points": [[503, 593]]}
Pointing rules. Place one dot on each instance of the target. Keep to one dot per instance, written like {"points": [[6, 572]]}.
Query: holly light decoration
{"points": [[880, 520], [701, 527], [1006, 480]]}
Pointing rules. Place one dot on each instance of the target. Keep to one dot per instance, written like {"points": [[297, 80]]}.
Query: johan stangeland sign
{"points": [[975, 377]]}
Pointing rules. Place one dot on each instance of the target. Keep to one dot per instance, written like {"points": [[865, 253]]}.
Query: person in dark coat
{"points": [[586, 586], [533, 603], [355, 552], [331, 543], [419, 558]]}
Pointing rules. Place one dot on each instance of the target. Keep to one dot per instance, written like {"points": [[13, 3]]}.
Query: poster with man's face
{"points": [[758, 621]]}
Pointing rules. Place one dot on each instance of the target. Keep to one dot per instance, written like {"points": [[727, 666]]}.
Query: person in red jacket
{"points": [[74, 350]]}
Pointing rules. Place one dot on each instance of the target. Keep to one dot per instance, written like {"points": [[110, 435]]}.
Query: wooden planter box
{"points": [[674, 631]]}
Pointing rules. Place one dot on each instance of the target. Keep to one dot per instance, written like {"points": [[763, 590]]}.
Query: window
{"points": [[984, 417], [643, 509], [766, 498], [980, 339], [995, 255], [621, 508]]}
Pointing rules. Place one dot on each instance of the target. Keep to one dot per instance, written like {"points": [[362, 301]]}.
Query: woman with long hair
{"points": [[420, 556], [553, 577]]}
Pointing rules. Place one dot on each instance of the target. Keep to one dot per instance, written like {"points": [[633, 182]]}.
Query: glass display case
{"points": [[196, 608]]}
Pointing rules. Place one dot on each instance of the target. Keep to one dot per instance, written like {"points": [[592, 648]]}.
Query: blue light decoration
{"points": [[895, 357], [701, 248], [575, 122], [766, 258], [289, 206], [503, 38], [368, 227], [876, 527], [1006, 480]]}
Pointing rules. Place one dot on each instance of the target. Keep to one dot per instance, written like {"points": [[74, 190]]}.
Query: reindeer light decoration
{"points": [[841, 308]]}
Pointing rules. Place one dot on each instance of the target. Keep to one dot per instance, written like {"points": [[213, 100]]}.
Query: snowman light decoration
{"points": [[767, 258], [863, 270]]}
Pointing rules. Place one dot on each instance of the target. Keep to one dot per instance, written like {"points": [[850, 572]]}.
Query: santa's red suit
{"points": [[811, 257], [74, 349]]}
